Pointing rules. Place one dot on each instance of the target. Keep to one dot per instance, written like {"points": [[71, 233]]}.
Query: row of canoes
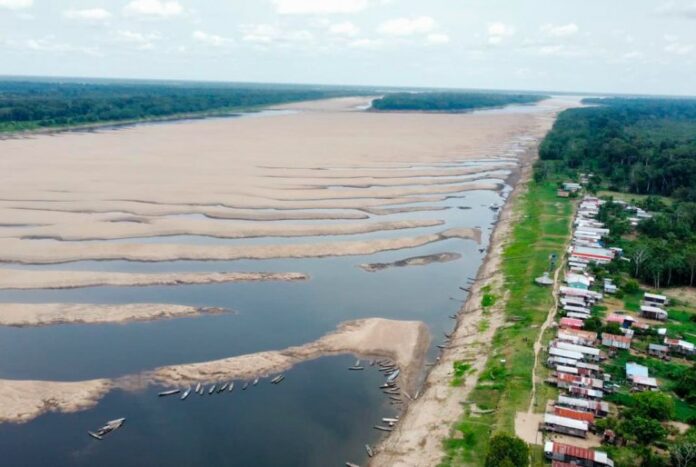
{"points": [[215, 388]]}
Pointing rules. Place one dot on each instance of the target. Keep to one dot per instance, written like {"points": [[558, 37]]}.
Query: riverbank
{"points": [[455, 382]]}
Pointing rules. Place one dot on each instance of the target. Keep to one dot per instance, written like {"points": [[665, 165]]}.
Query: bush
{"points": [[631, 287], [507, 450]]}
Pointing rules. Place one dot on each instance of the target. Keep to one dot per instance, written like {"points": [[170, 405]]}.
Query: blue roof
{"points": [[633, 369]]}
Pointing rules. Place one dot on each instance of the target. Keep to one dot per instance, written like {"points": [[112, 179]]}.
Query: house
{"points": [[560, 453], [544, 279], [562, 193], [653, 312], [655, 299], [577, 337], [657, 350], [599, 408], [572, 323], [588, 295], [575, 315], [634, 369], [574, 414], [556, 352], [585, 392], [573, 301], [578, 281], [617, 342], [564, 425], [625, 321], [576, 309], [552, 362], [589, 369], [597, 255], [641, 383], [566, 380], [679, 346], [572, 187], [590, 353]]}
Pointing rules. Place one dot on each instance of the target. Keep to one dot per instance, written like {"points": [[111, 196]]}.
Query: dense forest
{"points": [[663, 253], [450, 101], [37, 104], [643, 146]]}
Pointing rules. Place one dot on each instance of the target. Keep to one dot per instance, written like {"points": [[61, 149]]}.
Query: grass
{"points": [[630, 197], [505, 384]]}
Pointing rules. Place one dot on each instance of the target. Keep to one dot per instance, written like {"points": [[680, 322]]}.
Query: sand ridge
{"points": [[55, 279], [45, 314], [403, 341]]}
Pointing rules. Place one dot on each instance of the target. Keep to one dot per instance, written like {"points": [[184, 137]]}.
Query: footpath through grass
{"points": [[505, 384]]}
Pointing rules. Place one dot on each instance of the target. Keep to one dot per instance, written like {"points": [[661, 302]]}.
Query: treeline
{"points": [[642, 146], [663, 253], [450, 101], [38, 104]]}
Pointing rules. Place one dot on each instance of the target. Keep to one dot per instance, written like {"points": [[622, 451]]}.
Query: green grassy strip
{"points": [[505, 384]]}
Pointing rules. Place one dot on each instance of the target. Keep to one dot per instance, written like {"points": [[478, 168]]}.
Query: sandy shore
{"points": [[45, 314], [22, 401], [51, 279], [405, 342], [46, 252], [427, 422], [414, 261]]}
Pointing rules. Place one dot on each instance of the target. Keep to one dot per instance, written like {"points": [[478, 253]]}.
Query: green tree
{"points": [[507, 450], [655, 405], [643, 430]]}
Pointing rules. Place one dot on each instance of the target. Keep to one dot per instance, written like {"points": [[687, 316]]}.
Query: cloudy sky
{"points": [[631, 46]]}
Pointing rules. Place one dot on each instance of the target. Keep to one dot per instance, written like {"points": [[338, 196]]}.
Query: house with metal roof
{"points": [[615, 341], [576, 456], [564, 425], [653, 312]]}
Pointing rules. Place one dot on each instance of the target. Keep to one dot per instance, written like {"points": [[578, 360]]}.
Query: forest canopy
{"points": [[450, 101], [643, 146], [26, 105]]}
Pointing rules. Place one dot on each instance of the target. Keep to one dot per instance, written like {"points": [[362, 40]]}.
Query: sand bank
{"points": [[405, 342], [51, 279], [414, 261], [209, 228], [22, 401], [46, 314], [46, 252]]}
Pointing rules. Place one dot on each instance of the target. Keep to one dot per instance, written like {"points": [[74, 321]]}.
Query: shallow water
{"points": [[321, 415]]}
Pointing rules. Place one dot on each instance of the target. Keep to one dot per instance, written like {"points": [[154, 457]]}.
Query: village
{"points": [[599, 356]]}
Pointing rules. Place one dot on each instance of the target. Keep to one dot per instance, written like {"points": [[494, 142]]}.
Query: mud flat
{"points": [[51, 279], [414, 261], [46, 252], [46, 314], [405, 342]]}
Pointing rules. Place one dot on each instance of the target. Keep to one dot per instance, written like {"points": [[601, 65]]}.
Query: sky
{"points": [[613, 46]]}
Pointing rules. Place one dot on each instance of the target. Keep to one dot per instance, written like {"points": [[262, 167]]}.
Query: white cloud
{"points": [[675, 47], [407, 26], [90, 14], [684, 10], [154, 8], [560, 31], [437, 38], [210, 39], [259, 33], [138, 39], [344, 29], [49, 44], [497, 31], [365, 44], [16, 4], [551, 50], [318, 7], [264, 34]]}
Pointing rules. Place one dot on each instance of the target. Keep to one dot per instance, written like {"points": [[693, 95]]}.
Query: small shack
{"points": [[653, 312], [655, 299], [564, 425], [616, 342], [657, 350]]}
